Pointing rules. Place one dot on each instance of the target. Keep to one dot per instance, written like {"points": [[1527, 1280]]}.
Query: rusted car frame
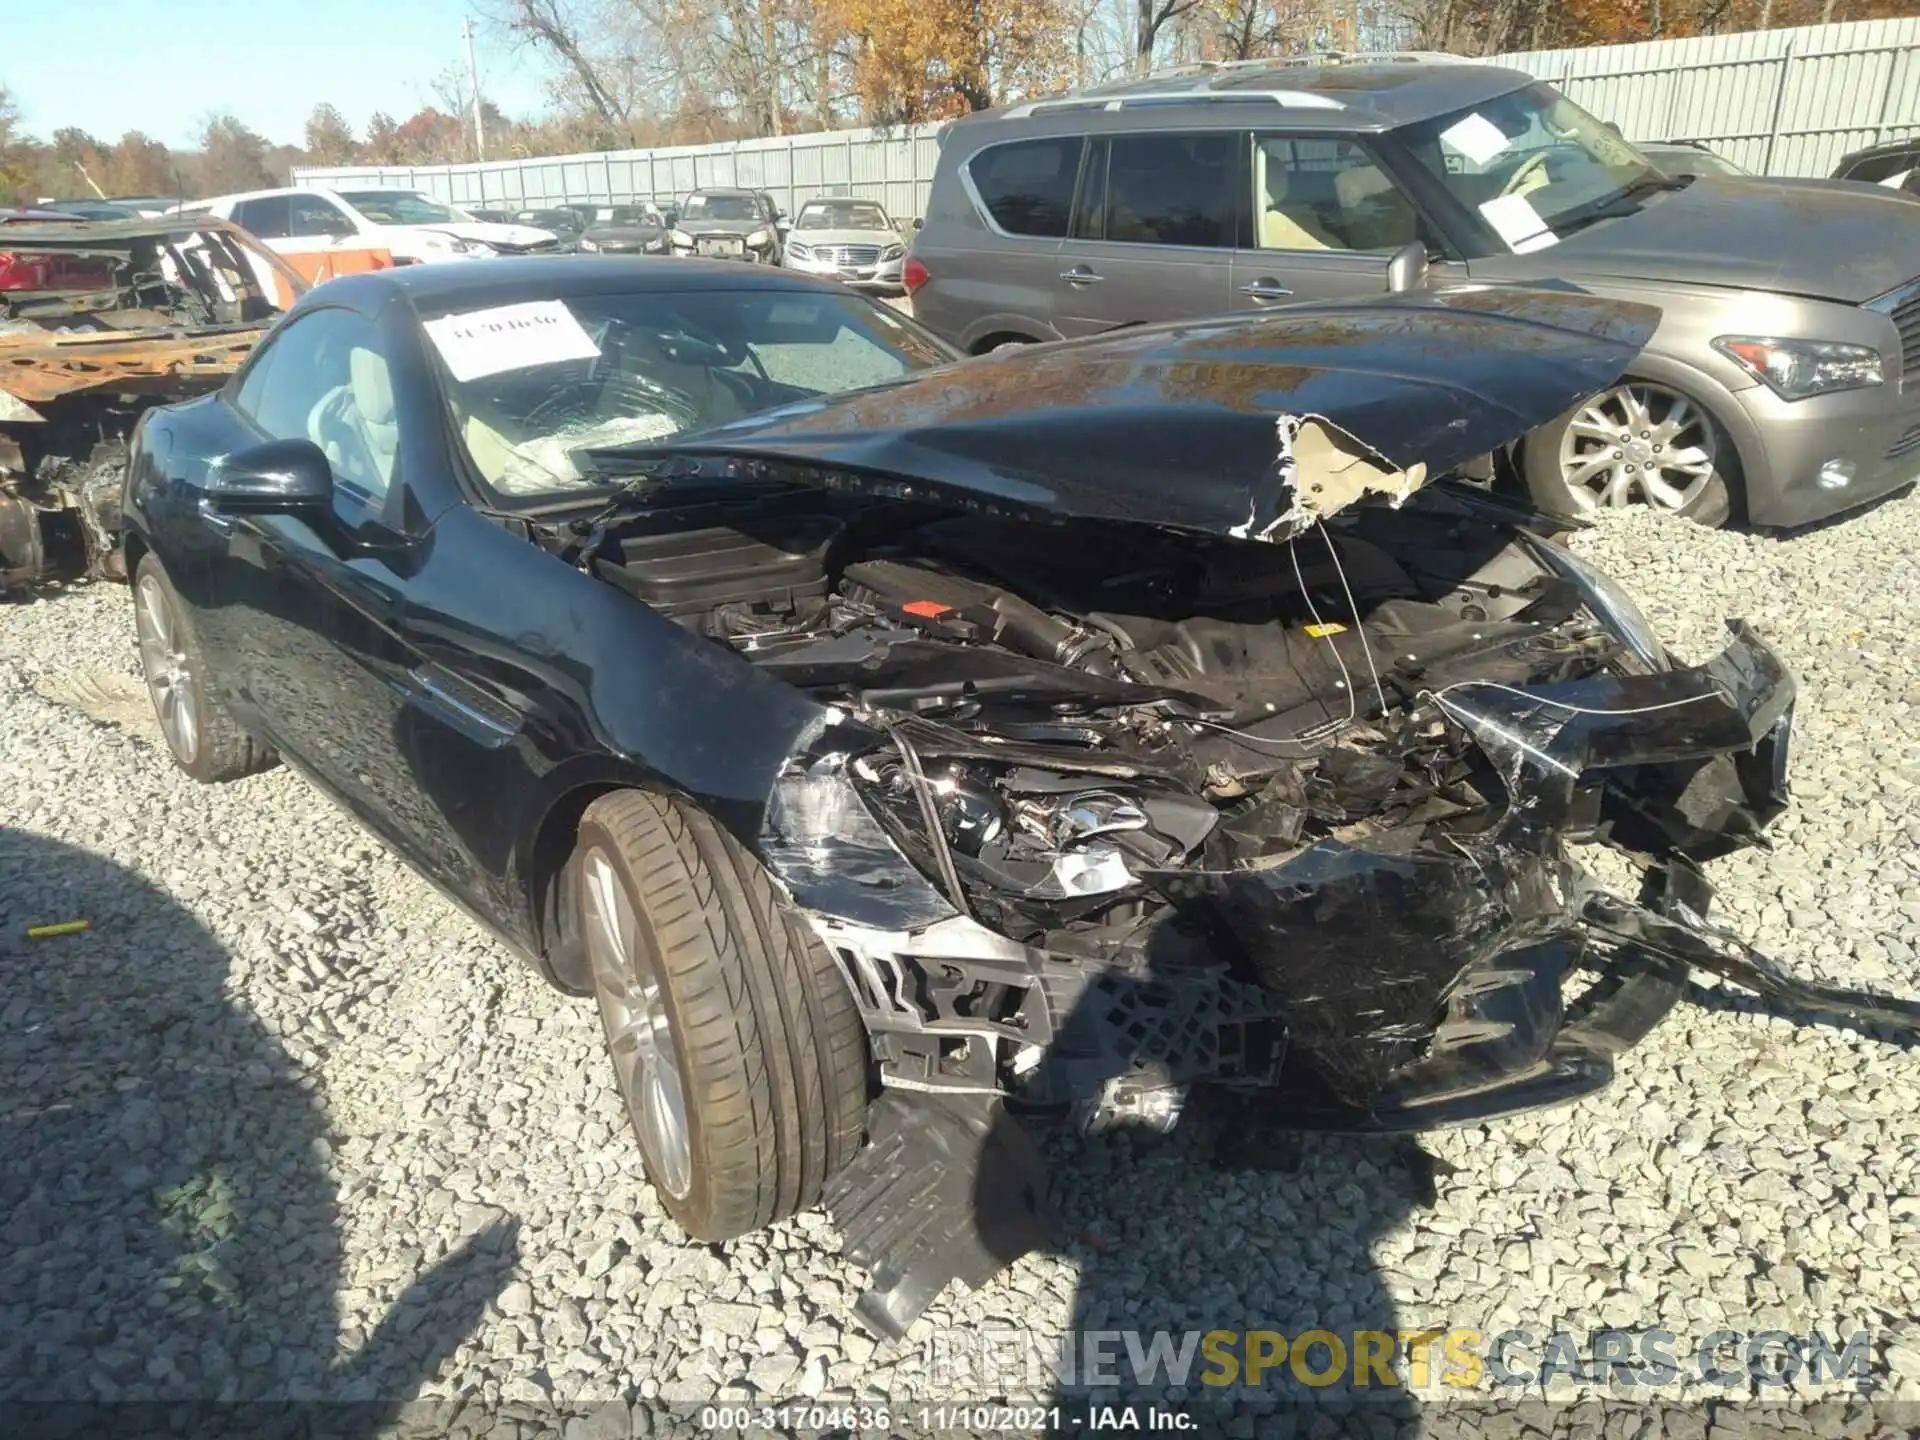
{"points": [[98, 323]]}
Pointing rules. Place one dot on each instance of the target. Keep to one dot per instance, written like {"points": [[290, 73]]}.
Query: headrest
{"points": [[1359, 184], [372, 388]]}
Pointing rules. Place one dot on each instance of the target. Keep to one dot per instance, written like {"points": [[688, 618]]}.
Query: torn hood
{"points": [[1248, 425]]}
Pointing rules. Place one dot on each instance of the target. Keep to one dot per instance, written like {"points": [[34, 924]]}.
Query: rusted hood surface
{"points": [[38, 368], [1248, 425]]}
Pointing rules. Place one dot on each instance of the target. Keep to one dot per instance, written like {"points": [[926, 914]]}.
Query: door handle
{"points": [[1081, 275], [1265, 289]]}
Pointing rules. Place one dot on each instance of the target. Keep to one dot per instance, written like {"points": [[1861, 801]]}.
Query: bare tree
{"points": [[1150, 19]]}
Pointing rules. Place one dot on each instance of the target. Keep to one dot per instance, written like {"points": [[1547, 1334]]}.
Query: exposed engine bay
{"points": [[1084, 719]]}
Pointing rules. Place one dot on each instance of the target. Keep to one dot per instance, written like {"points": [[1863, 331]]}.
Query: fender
{"points": [[1011, 324]]}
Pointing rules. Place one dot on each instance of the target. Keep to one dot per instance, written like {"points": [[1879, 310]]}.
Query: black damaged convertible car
{"points": [[895, 747]]}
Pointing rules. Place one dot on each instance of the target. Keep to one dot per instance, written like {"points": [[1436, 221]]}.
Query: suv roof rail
{"points": [[1226, 80], [1092, 100]]}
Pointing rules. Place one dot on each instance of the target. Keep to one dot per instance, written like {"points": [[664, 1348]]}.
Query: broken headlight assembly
{"points": [[1609, 601], [1030, 833]]}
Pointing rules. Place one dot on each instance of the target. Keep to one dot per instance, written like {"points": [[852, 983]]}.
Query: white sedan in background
{"points": [[855, 241], [412, 227]]}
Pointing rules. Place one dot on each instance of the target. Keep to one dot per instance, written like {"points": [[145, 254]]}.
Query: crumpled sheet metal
{"points": [[1416, 966], [1365, 944], [1323, 470]]}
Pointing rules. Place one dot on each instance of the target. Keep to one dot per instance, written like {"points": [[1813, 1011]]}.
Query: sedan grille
{"points": [[848, 254], [1903, 307]]}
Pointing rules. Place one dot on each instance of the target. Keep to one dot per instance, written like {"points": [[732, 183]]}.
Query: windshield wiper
{"points": [[1623, 202]]}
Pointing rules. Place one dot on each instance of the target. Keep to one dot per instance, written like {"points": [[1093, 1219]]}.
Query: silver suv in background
{"points": [[1775, 387]]}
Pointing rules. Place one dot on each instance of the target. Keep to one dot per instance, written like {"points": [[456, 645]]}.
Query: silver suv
{"points": [[1775, 386]]}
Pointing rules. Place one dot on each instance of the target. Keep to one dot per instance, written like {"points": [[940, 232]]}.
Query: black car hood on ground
{"points": [[1249, 426], [1843, 243]]}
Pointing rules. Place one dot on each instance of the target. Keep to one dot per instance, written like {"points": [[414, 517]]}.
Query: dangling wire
{"points": [[1346, 680], [1379, 690], [930, 817]]}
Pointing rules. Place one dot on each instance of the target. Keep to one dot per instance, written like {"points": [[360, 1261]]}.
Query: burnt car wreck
{"points": [[98, 323], [1180, 726]]}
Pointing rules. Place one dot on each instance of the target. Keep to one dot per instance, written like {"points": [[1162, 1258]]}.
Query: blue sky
{"points": [[160, 65]]}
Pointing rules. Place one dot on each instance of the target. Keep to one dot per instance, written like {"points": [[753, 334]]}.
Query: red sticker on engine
{"points": [[927, 609]]}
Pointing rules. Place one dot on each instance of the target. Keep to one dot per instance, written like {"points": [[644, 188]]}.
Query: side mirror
{"points": [[918, 222], [279, 475], [1407, 270]]}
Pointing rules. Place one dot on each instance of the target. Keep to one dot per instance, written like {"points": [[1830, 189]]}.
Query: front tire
{"points": [[1636, 443], [201, 733], [735, 1042]]}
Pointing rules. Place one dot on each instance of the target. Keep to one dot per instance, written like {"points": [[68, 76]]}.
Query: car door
{"points": [[995, 273], [323, 240], [311, 607], [1153, 230], [1325, 217]]}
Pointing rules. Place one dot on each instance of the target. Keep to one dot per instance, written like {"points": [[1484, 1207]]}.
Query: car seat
{"points": [[354, 424], [1375, 214], [1290, 227]]}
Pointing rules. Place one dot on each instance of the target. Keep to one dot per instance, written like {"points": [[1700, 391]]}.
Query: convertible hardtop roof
{"points": [[511, 280]]}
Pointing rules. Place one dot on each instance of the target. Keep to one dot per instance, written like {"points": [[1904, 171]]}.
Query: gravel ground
{"points": [[286, 1123]]}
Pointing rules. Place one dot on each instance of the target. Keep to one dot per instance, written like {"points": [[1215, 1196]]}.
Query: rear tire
{"points": [[736, 1045], [201, 733]]}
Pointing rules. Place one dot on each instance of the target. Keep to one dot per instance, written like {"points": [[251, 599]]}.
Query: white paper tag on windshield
{"points": [[1518, 223], [509, 337], [1475, 137]]}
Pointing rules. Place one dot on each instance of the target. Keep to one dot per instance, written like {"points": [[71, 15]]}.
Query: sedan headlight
{"points": [[1607, 599], [797, 251], [1797, 369], [588, 246], [893, 252], [759, 238], [682, 238]]}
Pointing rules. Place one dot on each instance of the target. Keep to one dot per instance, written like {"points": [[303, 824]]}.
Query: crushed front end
{"points": [[1312, 845], [1187, 727]]}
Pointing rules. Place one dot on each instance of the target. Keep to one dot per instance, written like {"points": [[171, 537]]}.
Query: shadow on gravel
{"points": [[168, 1230], [1228, 1225], [1846, 517]]}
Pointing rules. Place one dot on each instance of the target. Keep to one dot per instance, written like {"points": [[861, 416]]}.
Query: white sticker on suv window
{"points": [[509, 337], [1475, 137], [1518, 223]]}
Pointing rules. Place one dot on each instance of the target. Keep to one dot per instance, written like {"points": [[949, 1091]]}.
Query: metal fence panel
{"points": [[1782, 102]]}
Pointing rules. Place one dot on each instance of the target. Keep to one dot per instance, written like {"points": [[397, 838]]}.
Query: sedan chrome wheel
{"points": [[170, 680], [1638, 443], [639, 1033]]}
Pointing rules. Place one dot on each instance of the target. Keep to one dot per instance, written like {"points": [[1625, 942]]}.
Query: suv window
{"points": [[325, 379], [1896, 171], [1171, 189], [1325, 194], [315, 215], [1027, 186], [266, 217]]}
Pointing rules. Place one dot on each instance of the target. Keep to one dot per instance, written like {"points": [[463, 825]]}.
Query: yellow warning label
{"points": [[1320, 632]]}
